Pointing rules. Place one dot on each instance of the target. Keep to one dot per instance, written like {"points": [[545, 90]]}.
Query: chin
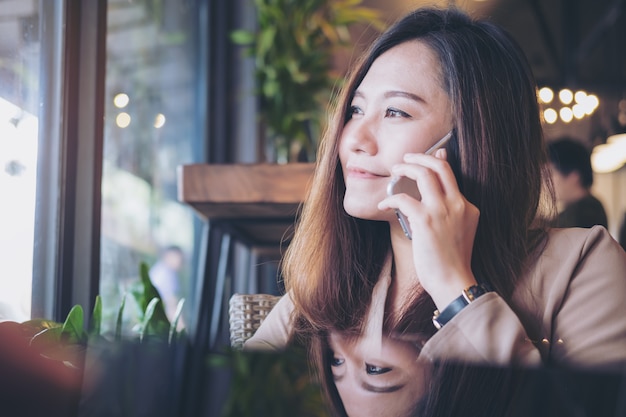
{"points": [[363, 210]]}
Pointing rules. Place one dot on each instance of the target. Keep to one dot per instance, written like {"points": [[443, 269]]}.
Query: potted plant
{"points": [[294, 47], [70, 368]]}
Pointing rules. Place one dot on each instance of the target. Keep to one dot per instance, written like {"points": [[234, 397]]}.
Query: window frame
{"points": [[66, 257], [67, 214]]}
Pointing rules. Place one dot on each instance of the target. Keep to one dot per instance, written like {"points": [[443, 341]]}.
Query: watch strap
{"points": [[469, 295]]}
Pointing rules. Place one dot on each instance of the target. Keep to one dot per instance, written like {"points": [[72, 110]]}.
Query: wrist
{"points": [[468, 296], [448, 292]]}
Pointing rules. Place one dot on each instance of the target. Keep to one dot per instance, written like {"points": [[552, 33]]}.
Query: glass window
{"points": [[19, 119], [150, 129]]}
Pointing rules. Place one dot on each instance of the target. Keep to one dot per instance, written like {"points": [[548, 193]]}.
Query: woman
{"points": [[509, 290]]}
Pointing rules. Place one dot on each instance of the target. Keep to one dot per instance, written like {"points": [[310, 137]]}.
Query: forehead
{"points": [[408, 64]]}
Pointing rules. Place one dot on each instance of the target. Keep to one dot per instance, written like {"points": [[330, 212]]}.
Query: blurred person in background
{"points": [[572, 177], [165, 276]]}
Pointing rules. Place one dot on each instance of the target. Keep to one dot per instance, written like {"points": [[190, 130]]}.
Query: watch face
{"points": [[472, 293], [475, 291]]}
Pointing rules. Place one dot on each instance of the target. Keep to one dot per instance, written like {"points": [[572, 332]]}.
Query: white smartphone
{"points": [[397, 185]]}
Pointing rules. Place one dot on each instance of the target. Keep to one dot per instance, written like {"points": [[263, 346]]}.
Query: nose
{"points": [[359, 135]]}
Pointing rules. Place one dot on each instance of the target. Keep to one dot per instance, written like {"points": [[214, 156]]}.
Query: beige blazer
{"points": [[568, 309]]}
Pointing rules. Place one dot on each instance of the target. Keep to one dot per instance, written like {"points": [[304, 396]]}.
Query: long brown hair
{"points": [[497, 155]]}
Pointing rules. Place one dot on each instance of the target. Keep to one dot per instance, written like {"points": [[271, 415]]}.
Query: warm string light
{"points": [[123, 119], [611, 155], [569, 106], [121, 100]]}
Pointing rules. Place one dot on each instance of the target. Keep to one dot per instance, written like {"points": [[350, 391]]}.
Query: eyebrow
{"points": [[404, 94], [381, 390], [373, 388], [396, 93]]}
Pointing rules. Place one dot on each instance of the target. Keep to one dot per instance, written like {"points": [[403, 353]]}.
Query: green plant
{"points": [[67, 341], [293, 50]]}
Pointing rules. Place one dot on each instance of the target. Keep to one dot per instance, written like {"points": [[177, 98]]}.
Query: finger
{"points": [[440, 166], [408, 205], [427, 180], [393, 202]]}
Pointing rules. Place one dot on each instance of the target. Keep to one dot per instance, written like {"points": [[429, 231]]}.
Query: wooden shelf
{"points": [[258, 201]]}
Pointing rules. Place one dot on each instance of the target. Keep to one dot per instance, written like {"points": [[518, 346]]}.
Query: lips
{"points": [[357, 172]]}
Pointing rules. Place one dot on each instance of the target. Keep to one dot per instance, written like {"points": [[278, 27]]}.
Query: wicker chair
{"points": [[246, 313]]}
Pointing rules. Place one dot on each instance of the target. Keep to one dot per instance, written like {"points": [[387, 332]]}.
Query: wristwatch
{"points": [[469, 295]]}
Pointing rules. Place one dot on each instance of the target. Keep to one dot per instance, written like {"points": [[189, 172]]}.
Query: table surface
{"points": [[259, 202]]}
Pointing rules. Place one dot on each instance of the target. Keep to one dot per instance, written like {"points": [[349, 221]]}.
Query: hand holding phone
{"points": [[392, 187]]}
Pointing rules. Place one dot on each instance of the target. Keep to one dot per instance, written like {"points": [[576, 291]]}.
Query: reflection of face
{"points": [[387, 383], [399, 107]]}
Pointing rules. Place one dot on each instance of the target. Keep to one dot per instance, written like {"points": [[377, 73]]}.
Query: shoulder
{"points": [[573, 262], [582, 242], [574, 296], [577, 264]]}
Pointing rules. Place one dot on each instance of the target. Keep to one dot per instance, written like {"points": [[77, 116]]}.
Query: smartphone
{"points": [[397, 185]]}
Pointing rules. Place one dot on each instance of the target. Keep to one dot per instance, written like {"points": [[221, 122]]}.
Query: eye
{"points": [[337, 362], [375, 370], [353, 111], [391, 112]]}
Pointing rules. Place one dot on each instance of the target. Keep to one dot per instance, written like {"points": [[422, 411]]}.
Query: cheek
{"points": [[352, 401], [343, 155], [342, 150]]}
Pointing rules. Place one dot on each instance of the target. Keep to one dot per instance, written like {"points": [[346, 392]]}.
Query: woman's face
{"points": [[385, 382], [400, 107]]}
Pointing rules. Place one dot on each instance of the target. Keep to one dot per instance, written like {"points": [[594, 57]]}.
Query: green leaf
{"points": [[149, 293], [96, 318], [175, 320], [120, 316], [270, 88], [46, 339], [266, 40], [242, 37], [73, 328], [149, 290], [147, 317], [31, 327]]}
